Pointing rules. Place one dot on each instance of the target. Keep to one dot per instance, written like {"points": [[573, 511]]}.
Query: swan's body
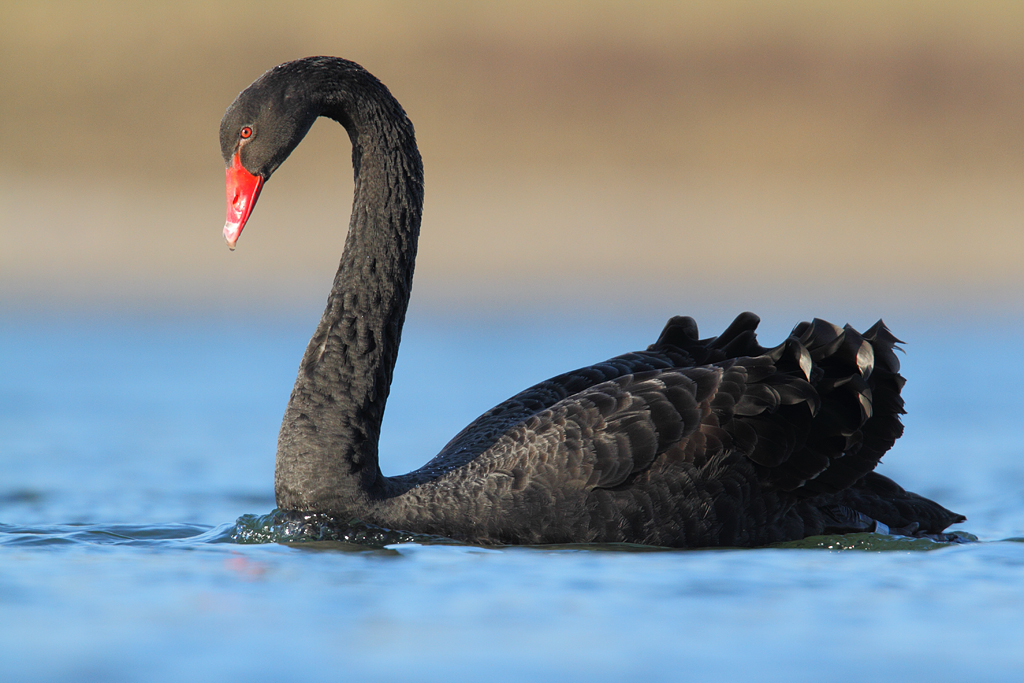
{"points": [[689, 443]]}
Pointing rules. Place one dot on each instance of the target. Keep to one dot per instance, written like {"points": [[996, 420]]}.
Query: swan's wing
{"points": [[602, 435], [813, 416], [484, 431], [678, 347], [611, 432]]}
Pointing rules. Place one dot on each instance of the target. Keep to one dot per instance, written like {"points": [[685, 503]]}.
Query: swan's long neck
{"points": [[327, 448]]}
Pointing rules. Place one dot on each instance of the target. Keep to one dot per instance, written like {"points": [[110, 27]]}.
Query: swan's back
{"points": [[691, 442]]}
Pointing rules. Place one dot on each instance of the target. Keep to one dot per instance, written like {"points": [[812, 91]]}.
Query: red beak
{"points": [[243, 191]]}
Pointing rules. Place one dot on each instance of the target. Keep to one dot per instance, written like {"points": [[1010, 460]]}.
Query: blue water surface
{"points": [[130, 444]]}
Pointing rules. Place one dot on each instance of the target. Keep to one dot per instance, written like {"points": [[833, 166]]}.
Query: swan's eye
{"points": [[246, 132]]}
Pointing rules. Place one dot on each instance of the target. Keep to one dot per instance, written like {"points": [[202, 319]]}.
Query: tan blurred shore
{"points": [[737, 150]]}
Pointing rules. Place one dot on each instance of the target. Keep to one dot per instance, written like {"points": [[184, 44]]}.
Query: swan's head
{"points": [[259, 130]]}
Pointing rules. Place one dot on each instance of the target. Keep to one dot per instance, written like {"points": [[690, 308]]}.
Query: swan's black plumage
{"points": [[689, 443]]}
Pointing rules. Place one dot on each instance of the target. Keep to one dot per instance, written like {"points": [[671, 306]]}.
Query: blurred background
{"points": [[671, 155]]}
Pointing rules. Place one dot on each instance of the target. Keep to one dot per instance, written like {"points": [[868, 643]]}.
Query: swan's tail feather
{"points": [[816, 412], [815, 415], [883, 500]]}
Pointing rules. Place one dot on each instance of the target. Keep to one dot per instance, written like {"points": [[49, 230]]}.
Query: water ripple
{"points": [[295, 527], [148, 535], [323, 532]]}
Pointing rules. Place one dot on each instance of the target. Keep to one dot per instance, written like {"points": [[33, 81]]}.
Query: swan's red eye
{"points": [[246, 132]]}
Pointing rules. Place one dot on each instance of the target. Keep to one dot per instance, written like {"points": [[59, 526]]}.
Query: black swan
{"points": [[713, 442]]}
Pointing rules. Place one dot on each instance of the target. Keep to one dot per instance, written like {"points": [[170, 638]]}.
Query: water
{"points": [[129, 446]]}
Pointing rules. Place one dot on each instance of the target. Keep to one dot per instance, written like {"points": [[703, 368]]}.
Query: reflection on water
{"points": [[129, 449]]}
